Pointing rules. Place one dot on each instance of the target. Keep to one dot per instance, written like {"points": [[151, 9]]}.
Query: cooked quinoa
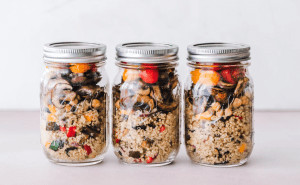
{"points": [[225, 141], [155, 136]]}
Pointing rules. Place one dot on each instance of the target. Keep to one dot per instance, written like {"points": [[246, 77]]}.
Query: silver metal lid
{"points": [[147, 52], [218, 52], [74, 52]]}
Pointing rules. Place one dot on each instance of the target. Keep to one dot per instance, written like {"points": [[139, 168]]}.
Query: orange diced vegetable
{"points": [[52, 108], [242, 148], [209, 77], [51, 118], [88, 117], [130, 75], [195, 75], [80, 68]]}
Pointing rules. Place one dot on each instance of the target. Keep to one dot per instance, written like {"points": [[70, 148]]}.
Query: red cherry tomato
{"points": [[149, 76], [88, 149], [71, 132], [149, 160]]}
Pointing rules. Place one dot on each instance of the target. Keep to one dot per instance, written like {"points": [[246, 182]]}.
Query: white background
{"points": [[271, 27]]}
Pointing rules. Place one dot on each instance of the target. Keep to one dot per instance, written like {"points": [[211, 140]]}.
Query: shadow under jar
{"points": [[219, 104], [74, 103], [146, 104]]}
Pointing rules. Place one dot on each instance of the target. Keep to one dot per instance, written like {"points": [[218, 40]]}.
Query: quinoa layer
{"points": [[138, 139], [225, 141]]}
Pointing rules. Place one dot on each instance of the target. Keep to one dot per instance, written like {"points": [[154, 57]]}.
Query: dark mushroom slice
{"points": [[144, 90], [92, 78], [163, 77], [167, 107], [219, 94], [52, 126], [139, 127], [77, 79], [88, 91], [156, 93], [162, 99], [67, 150], [225, 85], [91, 131], [99, 93], [174, 83], [144, 103], [240, 86], [134, 154]]}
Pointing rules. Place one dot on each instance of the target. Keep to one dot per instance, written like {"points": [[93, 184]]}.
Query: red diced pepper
{"points": [[226, 74], [71, 132], [240, 117], [117, 140], [232, 75], [93, 68], [149, 160], [216, 68], [87, 149], [162, 128], [237, 73], [63, 129]]}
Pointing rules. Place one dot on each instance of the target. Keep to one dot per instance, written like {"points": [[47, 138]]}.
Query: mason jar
{"points": [[146, 104], [74, 103], [218, 98]]}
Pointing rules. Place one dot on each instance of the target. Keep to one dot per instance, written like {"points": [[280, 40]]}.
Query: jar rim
{"points": [[219, 65], [74, 52], [141, 65]]}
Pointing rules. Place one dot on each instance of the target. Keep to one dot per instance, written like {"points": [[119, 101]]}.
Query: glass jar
{"points": [[219, 104], [74, 103], [146, 104]]}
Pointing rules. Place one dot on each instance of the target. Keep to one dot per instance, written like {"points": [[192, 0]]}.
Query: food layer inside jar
{"points": [[146, 115], [218, 115], [73, 114]]}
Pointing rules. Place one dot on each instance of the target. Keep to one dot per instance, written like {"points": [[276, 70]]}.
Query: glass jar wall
{"points": [[219, 104], [146, 104], [74, 103]]}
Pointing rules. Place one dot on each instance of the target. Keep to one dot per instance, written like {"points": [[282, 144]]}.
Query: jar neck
{"points": [[135, 65], [68, 65], [208, 65]]}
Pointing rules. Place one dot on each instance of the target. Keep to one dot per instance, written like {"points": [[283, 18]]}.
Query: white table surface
{"points": [[275, 159]]}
